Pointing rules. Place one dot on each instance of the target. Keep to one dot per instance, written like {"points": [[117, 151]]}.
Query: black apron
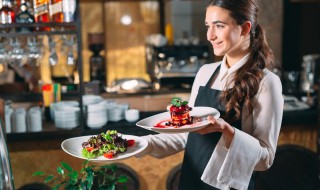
{"points": [[199, 148]]}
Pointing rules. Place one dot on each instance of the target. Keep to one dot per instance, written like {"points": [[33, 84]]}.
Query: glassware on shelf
{"points": [[70, 59], [15, 5], [3, 60], [53, 58], [35, 51], [69, 43], [68, 9], [41, 13], [55, 11], [63, 64], [24, 16], [7, 15], [16, 55]]}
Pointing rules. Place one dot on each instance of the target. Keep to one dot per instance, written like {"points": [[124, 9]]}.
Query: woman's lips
{"points": [[216, 45]]}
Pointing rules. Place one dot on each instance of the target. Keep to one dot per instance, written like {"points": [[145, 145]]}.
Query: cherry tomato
{"points": [[89, 149], [130, 142], [108, 155]]}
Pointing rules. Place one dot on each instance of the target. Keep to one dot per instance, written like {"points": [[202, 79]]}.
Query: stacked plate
{"points": [[57, 105], [116, 111], [91, 99], [97, 115], [95, 108], [66, 116]]}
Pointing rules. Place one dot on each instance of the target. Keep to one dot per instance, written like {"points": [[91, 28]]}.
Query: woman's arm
{"points": [[163, 145], [267, 118]]}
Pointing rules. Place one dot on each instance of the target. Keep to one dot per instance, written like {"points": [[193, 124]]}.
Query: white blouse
{"points": [[252, 148]]}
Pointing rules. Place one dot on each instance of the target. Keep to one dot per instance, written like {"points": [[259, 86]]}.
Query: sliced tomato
{"points": [[108, 155], [89, 149], [130, 142]]}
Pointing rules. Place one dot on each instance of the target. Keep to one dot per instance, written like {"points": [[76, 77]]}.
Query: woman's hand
{"points": [[218, 125]]}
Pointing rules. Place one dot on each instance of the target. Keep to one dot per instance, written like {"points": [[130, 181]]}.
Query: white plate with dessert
{"points": [[179, 119]]}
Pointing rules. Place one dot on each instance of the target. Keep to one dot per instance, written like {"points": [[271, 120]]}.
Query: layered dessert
{"points": [[180, 113]]}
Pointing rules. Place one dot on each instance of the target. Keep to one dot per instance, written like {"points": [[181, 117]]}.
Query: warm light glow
{"points": [[126, 20], [1, 68], [129, 85]]}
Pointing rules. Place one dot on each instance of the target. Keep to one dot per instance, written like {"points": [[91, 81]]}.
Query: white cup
{"points": [[19, 121], [34, 119], [8, 115], [132, 115]]}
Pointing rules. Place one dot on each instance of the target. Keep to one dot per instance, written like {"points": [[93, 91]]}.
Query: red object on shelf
{"points": [[55, 11], [47, 87], [41, 13], [7, 15]]}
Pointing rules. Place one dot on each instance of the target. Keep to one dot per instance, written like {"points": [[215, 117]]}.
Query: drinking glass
{"points": [[53, 58], [68, 46], [3, 59], [16, 55], [35, 51]]}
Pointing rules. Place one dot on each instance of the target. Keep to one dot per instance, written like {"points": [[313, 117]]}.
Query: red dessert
{"points": [[180, 113]]}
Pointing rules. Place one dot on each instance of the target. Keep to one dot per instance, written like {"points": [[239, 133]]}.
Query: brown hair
{"points": [[247, 79]]}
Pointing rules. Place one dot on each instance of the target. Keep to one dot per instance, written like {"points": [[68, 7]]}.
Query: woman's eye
{"points": [[220, 26]]}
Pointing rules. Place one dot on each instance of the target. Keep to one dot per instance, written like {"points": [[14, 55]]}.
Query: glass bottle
{"points": [[68, 8], [41, 13], [16, 6], [24, 16], [7, 15], [55, 10]]}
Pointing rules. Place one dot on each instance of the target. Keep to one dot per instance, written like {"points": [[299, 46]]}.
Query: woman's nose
{"points": [[211, 35]]}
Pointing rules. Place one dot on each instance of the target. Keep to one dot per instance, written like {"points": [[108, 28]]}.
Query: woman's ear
{"points": [[246, 27]]}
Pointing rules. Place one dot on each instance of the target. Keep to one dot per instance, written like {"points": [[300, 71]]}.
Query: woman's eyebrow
{"points": [[216, 22]]}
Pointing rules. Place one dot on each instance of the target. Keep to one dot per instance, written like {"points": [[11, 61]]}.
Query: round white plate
{"points": [[73, 147], [150, 122]]}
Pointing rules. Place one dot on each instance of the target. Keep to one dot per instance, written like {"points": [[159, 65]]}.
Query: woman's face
{"points": [[223, 32]]}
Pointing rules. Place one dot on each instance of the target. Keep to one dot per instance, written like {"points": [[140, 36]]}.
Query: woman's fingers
{"points": [[216, 122], [211, 119]]}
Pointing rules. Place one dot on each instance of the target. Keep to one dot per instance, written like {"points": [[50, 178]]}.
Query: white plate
{"points": [[73, 147], [150, 122]]}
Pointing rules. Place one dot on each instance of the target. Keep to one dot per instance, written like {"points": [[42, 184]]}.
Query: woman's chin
{"points": [[218, 53]]}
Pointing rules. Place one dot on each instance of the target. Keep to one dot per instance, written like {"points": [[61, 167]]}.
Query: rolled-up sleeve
{"points": [[253, 147]]}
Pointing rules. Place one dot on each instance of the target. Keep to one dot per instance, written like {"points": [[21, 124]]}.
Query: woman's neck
{"points": [[232, 59]]}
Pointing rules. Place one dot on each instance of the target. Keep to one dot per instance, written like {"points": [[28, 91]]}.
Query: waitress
{"points": [[225, 154]]}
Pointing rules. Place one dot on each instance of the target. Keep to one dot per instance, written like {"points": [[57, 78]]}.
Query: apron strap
{"points": [[213, 77]]}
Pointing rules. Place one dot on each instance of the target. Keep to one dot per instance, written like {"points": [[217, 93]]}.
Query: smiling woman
{"points": [[225, 153]]}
